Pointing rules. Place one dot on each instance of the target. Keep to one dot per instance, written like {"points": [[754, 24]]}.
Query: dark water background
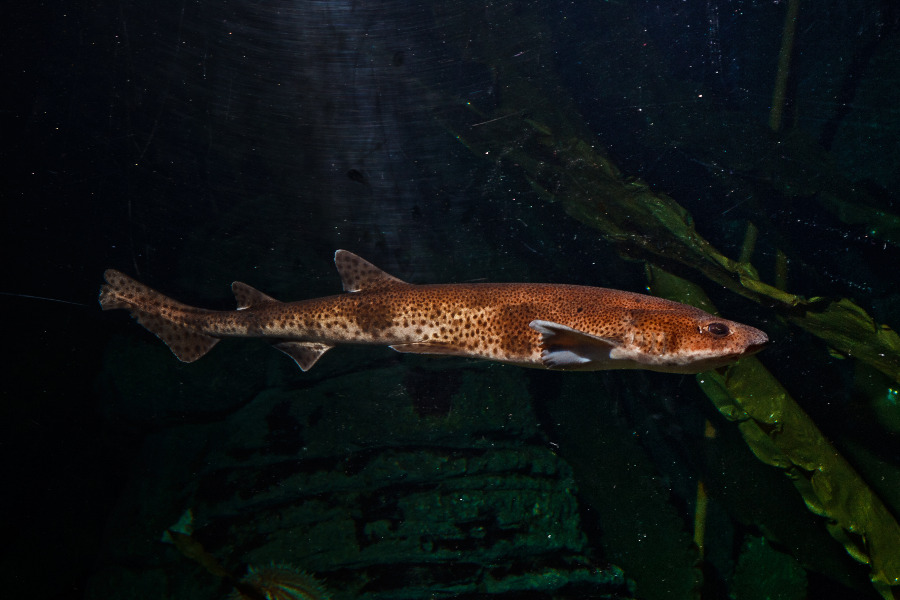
{"points": [[192, 144]]}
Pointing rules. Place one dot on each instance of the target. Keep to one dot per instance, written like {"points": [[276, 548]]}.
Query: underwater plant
{"points": [[278, 582], [273, 582]]}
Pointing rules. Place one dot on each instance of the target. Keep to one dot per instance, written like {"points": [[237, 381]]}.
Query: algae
{"points": [[782, 435]]}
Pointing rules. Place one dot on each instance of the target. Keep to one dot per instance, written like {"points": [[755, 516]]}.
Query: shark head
{"points": [[692, 343], [685, 340], [676, 339]]}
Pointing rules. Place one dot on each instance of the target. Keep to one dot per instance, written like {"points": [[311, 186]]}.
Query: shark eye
{"points": [[718, 329]]}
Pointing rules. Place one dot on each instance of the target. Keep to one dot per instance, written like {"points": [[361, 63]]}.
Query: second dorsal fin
{"points": [[358, 274], [248, 296]]}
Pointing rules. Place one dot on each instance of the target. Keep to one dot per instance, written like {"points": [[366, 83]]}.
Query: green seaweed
{"points": [[782, 435]]}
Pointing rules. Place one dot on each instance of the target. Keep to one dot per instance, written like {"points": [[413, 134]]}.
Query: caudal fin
{"points": [[158, 313]]}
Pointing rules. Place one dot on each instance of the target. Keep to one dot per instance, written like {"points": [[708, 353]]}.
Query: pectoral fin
{"points": [[566, 348], [305, 354]]}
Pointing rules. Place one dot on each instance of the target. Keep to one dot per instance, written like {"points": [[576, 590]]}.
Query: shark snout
{"points": [[758, 341]]}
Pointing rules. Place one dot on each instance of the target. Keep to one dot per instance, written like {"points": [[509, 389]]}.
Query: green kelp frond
{"points": [[850, 331], [782, 435]]}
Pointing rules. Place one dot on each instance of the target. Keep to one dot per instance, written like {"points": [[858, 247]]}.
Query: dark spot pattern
{"points": [[490, 321]]}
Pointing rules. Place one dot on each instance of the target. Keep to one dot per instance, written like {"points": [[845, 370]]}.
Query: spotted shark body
{"points": [[561, 327]]}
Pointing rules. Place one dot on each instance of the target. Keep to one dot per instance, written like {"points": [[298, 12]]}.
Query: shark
{"points": [[546, 326]]}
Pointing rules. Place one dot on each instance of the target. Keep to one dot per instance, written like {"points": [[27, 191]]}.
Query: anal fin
{"points": [[305, 354]]}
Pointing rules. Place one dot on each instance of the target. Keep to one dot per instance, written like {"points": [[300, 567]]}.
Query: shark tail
{"points": [[158, 313]]}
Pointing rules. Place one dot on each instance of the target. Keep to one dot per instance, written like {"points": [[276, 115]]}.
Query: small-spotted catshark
{"points": [[562, 327]]}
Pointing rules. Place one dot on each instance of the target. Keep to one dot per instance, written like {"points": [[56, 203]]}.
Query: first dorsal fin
{"points": [[248, 296], [358, 274]]}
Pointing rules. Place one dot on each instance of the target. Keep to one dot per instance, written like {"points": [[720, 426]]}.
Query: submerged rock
{"points": [[382, 487]]}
